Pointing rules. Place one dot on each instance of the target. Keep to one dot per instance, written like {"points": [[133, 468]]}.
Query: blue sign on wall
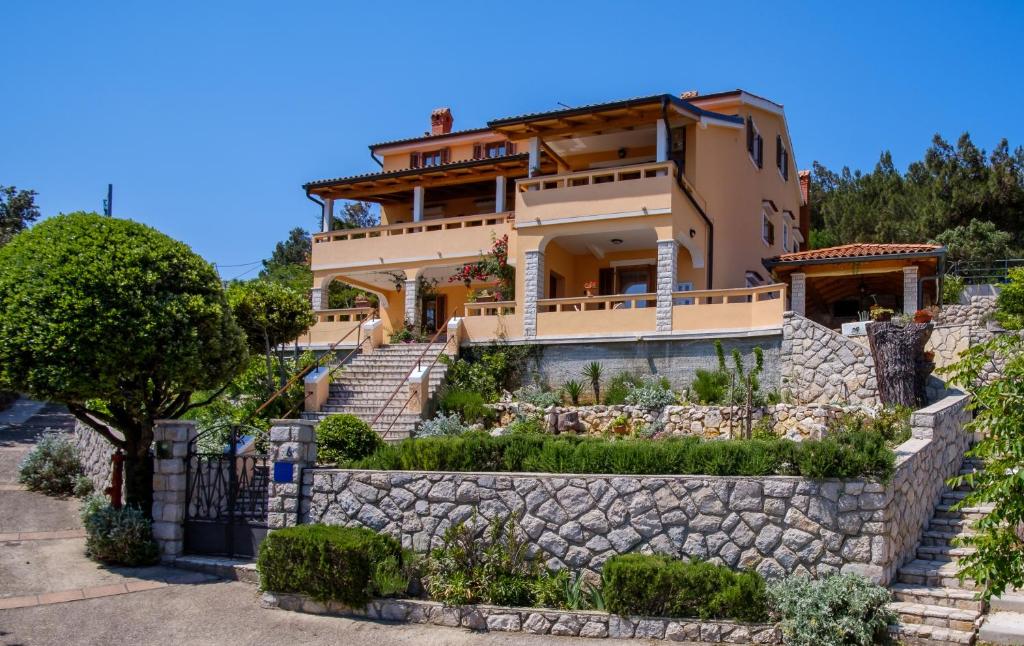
{"points": [[284, 472]]}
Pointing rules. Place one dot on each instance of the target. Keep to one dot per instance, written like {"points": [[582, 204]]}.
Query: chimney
{"points": [[689, 94], [805, 206], [441, 121]]}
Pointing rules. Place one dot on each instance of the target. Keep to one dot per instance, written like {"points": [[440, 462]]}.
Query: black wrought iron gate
{"points": [[226, 492]]}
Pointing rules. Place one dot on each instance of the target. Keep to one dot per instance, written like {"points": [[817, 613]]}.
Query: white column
{"points": [[412, 312], [534, 164], [798, 293], [910, 287], [417, 204], [327, 219], [533, 290], [499, 194], [668, 258], [316, 298], [661, 146]]}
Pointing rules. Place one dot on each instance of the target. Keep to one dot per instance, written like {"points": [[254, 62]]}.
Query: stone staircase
{"points": [[364, 385], [934, 607]]}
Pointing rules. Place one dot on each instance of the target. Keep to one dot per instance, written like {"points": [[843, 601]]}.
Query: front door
{"points": [[433, 314], [636, 280]]}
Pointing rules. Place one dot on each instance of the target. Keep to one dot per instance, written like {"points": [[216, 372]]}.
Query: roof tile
{"points": [[856, 250]]}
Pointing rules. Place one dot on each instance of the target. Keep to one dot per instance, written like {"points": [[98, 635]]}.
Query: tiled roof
{"points": [[610, 105], [857, 250], [412, 171], [428, 137]]}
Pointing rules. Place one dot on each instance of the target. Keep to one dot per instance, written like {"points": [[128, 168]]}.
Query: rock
{"points": [[595, 521], [623, 539], [537, 624], [504, 623]]}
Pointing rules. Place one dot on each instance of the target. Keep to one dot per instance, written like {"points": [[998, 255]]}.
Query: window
{"points": [[430, 158], [754, 279], [767, 229], [781, 158], [755, 143], [785, 235], [493, 149]]}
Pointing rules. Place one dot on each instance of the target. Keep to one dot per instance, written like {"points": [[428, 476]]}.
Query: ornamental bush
{"points": [[342, 438], [845, 455], [442, 425], [469, 404], [838, 610], [655, 585], [51, 467], [328, 563], [117, 536]]}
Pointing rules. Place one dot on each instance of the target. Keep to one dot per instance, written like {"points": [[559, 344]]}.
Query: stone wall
{"points": [[677, 360], [709, 422], [94, 451], [957, 327], [820, 365], [777, 525]]}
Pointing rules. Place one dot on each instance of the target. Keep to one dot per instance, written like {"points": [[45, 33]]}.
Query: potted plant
{"points": [[485, 296], [881, 314], [589, 287], [362, 301], [620, 425], [922, 316]]}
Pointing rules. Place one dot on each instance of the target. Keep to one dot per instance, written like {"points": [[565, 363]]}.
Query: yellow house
{"points": [[644, 218]]}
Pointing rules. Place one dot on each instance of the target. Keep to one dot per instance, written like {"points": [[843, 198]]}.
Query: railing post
{"points": [[292, 449], [373, 329], [451, 346], [171, 438], [417, 390]]}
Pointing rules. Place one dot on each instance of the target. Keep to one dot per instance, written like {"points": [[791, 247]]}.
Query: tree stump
{"points": [[900, 365]]}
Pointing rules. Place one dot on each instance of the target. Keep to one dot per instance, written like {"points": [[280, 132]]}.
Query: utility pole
{"points": [[108, 204]]}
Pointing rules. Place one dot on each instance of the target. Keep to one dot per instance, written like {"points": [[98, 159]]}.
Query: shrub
{"points": [[573, 389], [442, 425], [593, 372], [532, 424], [710, 386], [83, 487], [117, 536], [470, 405], [651, 396], [660, 586], [952, 289], [342, 438], [51, 467], [537, 396], [347, 564], [834, 611], [892, 424], [854, 454], [619, 387], [487, 371]]}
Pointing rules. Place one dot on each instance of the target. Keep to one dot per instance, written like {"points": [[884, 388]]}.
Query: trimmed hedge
{"points": [[845, 455], [659, 586], [348, 564], [341, 438]]}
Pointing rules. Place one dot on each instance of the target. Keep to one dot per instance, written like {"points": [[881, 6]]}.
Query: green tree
{"points": [[118, 321], [289, 265], [998, 562], [1010, 302], [356, 215], [270, 314], [17, 210], [976, 240]]}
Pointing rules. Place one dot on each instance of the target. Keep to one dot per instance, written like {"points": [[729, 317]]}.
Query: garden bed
{"points": [[536, 621]]}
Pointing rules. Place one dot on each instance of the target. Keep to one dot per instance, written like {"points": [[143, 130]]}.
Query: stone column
{"points": [[499, 194], [661, 145], [327, 219], [170, 440], [316, 298], [412, 311], [668, 258], [417, 203], [798, 293], [534, 163], [533, 289], [910, 287], [292, 449]]}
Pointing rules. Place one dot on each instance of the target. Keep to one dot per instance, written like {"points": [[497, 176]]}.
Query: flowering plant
{"points": [[493, 264], [590, 284]]}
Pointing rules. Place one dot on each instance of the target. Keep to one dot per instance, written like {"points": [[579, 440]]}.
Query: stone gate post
{"points": [[170, 440], [292, 449]]}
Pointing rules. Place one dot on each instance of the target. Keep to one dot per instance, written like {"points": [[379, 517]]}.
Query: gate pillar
{"points": [[292, 449], [171, 438]]}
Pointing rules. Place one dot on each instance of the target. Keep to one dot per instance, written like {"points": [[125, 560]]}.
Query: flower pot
{"points": [[922, 316], [362, 301], [589, 293]]}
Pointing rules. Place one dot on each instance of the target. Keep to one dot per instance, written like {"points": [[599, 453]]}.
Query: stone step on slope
{"points": [[1010, 601], [939, 616], [933, 573], [942, 537], [943, 552], [948, 597], [925, 635], [1002, 627]]}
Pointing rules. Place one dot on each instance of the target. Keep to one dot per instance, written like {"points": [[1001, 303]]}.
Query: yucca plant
{"points": [[573, 389], [593, 371]]}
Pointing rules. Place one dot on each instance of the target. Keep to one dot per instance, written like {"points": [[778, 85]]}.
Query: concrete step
{"points": [[1008, 602], [1003, 627], [948, 597], [938, 616], [941, 537], [923, 572], [925, 635], [945, 510], [943, 552], [950, 524]]}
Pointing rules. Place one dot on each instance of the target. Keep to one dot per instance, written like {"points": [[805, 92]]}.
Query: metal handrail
{"points": [[387, 431], [984, 271], [419, 363], [330, 375], [316, 364]]}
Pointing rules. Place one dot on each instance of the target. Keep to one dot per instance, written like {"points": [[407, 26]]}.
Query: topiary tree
{"points": [[341, 438], [119, 322]]}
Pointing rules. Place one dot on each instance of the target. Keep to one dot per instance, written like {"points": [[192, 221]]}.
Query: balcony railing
{"points": [[598, 176], [496, 308], [597, 303], [331, 325], [408, 228]]}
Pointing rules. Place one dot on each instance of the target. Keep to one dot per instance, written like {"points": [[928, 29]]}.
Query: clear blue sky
{"points": [[209, 116]]}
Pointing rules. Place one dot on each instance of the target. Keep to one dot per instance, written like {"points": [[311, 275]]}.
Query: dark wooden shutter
{"points": [[510, 148], [414, 160], [444, 155], [759, 143], [778, 151], [605, 281], [750, 135], [478, 151]]}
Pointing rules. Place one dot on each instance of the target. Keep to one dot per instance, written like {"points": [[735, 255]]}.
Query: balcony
{"points": [[639, 189], [460, 238], [334, 325]]}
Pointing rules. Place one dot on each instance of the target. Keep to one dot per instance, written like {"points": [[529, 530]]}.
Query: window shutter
{"points": [[760, 151], [750, 135], [778, 151], [477, 151], [444, 155], [510, 147], [414, 160]]}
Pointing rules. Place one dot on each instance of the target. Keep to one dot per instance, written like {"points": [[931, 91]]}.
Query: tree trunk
{"points": [[899, 363], [138, 477], [270, 363]]}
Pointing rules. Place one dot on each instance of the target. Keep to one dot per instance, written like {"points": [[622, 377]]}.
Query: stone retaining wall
{"points": [[709, 422], [776, 525], [94, 452], [958, 327], [536, 621], [819, 365]]}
